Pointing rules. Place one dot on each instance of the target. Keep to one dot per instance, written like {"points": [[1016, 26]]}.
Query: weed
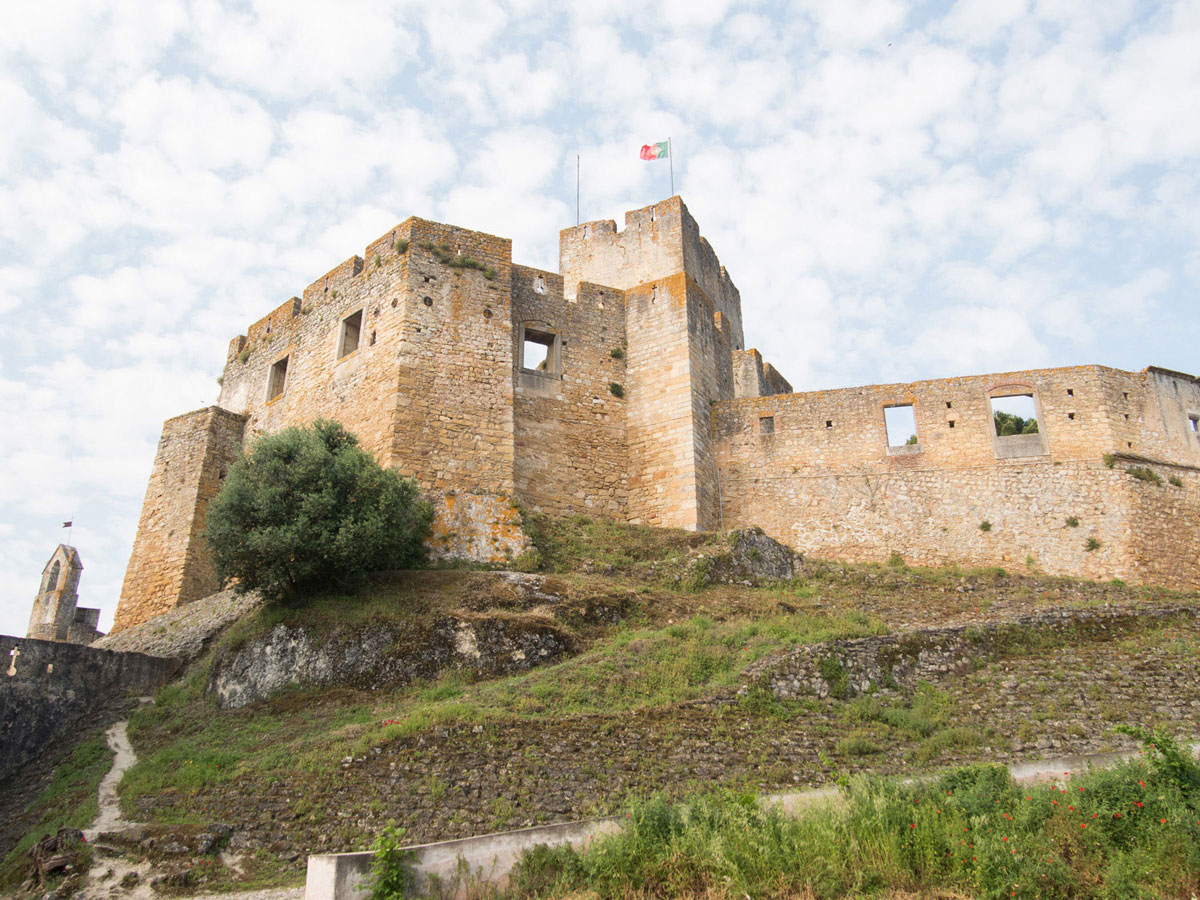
{"points": [[1072, 521], [244, 355], [1144, 473], [616, 389], [378, 261], [858, 745], [985, 526], [834, 675], [401, 245], [617, 352], [1091, 544], [1175, 481], [1110, 459], [392, 874], [895, 560]]}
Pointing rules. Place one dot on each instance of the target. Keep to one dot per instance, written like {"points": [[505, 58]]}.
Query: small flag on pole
{"points": [[656, 151], [67, 524]]}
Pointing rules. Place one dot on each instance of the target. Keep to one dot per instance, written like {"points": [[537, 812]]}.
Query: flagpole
{"points": [[671, 160]]}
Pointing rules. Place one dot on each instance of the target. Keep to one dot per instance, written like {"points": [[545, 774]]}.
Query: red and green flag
{"points": [[655, 151]]}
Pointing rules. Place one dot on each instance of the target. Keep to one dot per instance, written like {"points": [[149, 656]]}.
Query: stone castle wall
{"points": [[418, 347], [170, 564], [570, 433], [816, 470]]}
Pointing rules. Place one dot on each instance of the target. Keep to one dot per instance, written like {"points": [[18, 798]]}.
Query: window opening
{"points": [[1071, 416], [52, 577], [537, 351], [1016, 414], [1070, 392], [829, 423], [951, 423], [1195, 421], [277, 378], [372, 341], [539, 286], [901, 425], [949, 405], [351, 328], [766, 424]]}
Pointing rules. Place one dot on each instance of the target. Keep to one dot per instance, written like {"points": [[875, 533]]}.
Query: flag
{"points": [[67, 524], [654, 151]]}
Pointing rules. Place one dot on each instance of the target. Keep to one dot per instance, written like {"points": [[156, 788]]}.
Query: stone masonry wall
{"points": [[48, 687], [170, 563], [571, 444], [824, 479]]}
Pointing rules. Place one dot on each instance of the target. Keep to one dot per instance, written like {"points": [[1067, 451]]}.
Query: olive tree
{"points": [[307, 509]]}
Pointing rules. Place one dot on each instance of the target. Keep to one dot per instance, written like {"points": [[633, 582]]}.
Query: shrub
{"points": [[308, 508], [1144, 473], [392, 875], [401, 246], [615, 389], [617, 353], [244, 355]]}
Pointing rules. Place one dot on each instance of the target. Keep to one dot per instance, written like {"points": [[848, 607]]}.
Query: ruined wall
{"points": [[170, 564], [818, 473], [754, 378], [570, 431]]}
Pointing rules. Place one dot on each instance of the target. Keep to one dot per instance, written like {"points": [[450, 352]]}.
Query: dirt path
{"points": [[108, 818]]}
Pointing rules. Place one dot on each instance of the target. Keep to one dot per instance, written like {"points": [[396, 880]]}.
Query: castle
{"points": [[622, 387]]}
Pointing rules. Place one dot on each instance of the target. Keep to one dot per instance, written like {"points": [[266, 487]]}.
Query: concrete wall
{"points": [[456, 866], [48, 687]]}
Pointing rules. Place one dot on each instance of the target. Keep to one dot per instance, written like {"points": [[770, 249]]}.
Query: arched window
{"points": [[52, 577]]}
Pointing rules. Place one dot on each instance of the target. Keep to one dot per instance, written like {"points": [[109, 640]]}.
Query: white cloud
{"points": [[1009, 183]]}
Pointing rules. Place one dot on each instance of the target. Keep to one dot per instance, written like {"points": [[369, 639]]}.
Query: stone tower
{"points": [[56, 616]]}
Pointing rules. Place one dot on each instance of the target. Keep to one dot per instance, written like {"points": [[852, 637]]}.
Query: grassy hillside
{"points": [[649, 703]]}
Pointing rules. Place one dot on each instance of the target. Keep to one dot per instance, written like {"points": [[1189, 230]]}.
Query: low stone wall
{"points": [[47, 687], [851, 667]]}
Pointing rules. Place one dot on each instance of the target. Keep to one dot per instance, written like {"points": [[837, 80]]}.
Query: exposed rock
{"points": [[184, 631], [373, 656], [846, 668]]}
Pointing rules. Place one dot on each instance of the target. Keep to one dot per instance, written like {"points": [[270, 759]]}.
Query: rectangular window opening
{"points": [[351, 327], [539, 351], [277, 378], [1071, 416], [951, 423], [1015, 414], [1070, 392], [829, 423], [1195, 423], [901, 425], [766, 424]]}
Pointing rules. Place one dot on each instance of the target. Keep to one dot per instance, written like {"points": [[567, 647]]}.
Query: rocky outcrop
{"points": [[378, 655], [847, 668]]}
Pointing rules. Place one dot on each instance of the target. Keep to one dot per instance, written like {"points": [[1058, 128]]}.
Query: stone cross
{"points": [[12, 669]]}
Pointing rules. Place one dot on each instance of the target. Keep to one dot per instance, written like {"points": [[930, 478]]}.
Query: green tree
{"points": [[1007, 423], [307, 508]]}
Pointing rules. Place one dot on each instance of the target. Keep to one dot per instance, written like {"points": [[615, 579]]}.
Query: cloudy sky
{"points": [[900, 191]]}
